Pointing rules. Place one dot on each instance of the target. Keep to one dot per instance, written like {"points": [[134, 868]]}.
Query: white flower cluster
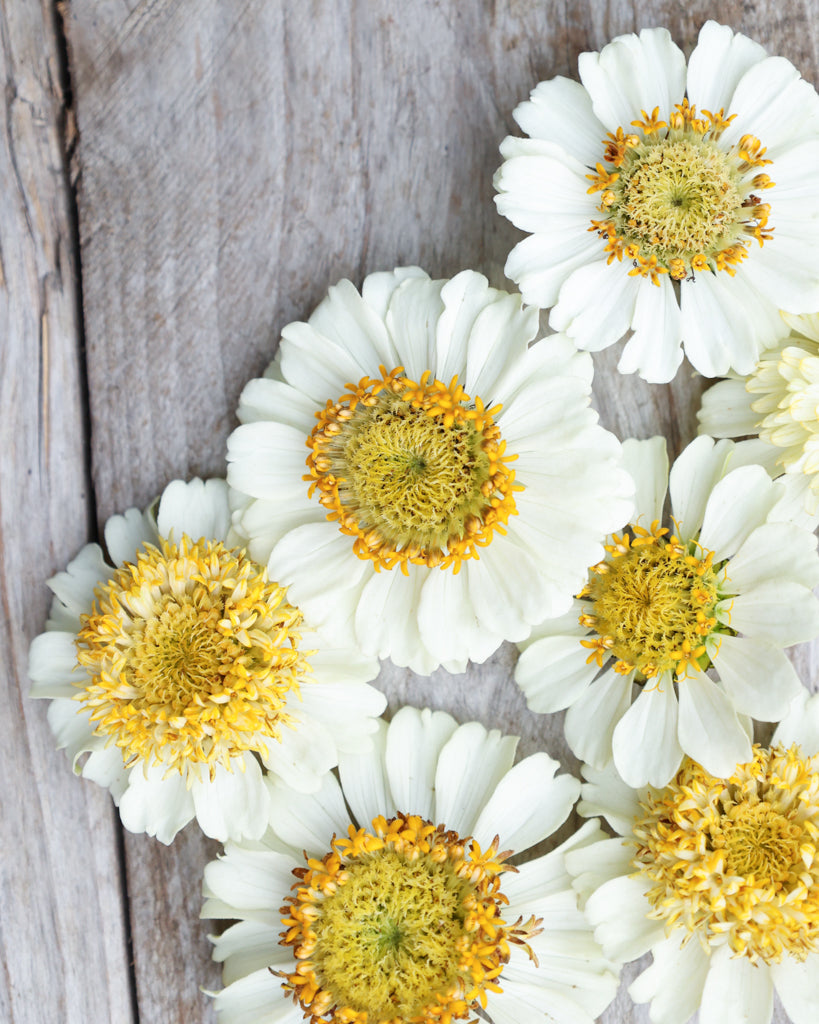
{"points": [[417, 476]]}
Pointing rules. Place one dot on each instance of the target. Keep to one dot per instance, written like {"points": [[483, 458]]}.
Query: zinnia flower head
{"points": [[718, 877], [396, 896], [674, 201], [425, 483], [183, 673], [779, 401], [679, 633]]}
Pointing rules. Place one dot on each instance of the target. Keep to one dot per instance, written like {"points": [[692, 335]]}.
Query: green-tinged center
{"points": [[653, 603]]}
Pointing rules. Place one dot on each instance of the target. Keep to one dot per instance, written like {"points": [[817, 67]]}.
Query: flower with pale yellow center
{"points": [[666, 202], [390, 918], [425, 481], [718, 877], [183, 675], [676, 640]]}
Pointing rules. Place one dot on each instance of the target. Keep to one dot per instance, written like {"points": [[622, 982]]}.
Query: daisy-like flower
{"points": [[718, 877], [182, 674], [676, 202], [425, 483], [679, 632], [779, 401], [392, 898]]}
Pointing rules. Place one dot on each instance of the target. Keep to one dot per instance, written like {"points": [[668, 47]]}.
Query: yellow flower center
{"points": [[192, 653], [416, 472], [674, 200], [736, 858], [652, 603], [399, 924]]}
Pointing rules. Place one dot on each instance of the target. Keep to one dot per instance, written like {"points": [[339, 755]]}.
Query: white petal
{"points": [[647, 464], [618, 911], [346, 710], [674, 982], [737, 505], [797, 985], [560, 111], [548, 875], [256, 999], [736, 991], [449, 627], [249, 946], [710, 732], [606, 794], [644, 744], [316, 366], [412, 319], [759, 679], [590, 722], [501, 330], [265, 399], [378, 289], [720, 59], [655, 348], [542, 262], [73, 731], [265, 460], [632, 74], [509, 590], [464, 297], [198, 508], [364, 781], [386, 619], [106, 768], [528, 804], [52, 665], [717, 334], [249, 883], [303, 753], [126, 534], [597, 863], [801, 724], [553, 673], [775, 551], [308, 821], [234, 804], [156, 805], [783, 613], [414, 741], [470, 766], [75, 587], [695, 473], [349, 321], [595, 305]]}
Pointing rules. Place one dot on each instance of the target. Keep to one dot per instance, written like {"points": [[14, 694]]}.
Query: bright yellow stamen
{"points": [[674, 200], [399, 924], [192, 653], [736, 857], [417, 472], [651, 603]]}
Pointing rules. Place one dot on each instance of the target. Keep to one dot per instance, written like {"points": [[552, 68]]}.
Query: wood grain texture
{"points": [[237, 158], [63, 944]]}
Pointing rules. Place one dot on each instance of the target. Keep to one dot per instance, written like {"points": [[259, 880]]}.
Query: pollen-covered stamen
{"points": [[417, 472], [676, 200], [399, 923], [192, 654], [737, 858], [652, 603]]}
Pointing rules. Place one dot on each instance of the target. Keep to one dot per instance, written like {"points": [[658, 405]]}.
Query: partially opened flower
{"points": [[779, 401], [718, 878], [679, 632], [392, 898], [184, 674], [670, 200], [425, 483]]}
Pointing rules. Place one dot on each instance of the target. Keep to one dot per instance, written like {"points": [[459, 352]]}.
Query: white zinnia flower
{"points": [[718, 878], [403, 906], [679, 633], [425, 483], [676, 202], [779, 401], [184, 673]]}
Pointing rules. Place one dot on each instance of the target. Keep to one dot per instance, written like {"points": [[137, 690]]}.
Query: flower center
{"points": [[652, 603], [675, 200], [416, 472], [399, 923], [192, 654], [737, 857]]}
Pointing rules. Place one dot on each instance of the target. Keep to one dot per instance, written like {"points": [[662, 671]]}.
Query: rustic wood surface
{"points": [[234, 158]]}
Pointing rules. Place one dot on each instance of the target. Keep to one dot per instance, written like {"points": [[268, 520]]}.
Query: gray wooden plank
{"points": [[237, 158], [63, 941]]}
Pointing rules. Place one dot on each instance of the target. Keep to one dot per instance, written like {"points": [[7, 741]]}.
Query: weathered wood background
{"points": [[178, 180]]}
